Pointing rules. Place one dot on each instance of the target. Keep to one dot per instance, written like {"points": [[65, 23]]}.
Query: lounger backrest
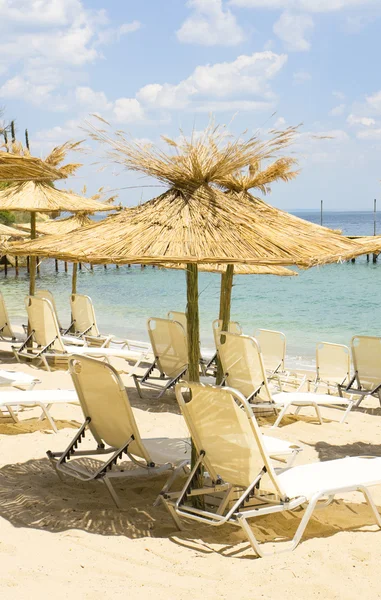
{"points": [[243, 366], [83, 314], [169, 345], [333, 363], [43, 322], [5, 326], [180, 317], [273, 348], [233, 327], [104, 400], [366, 353], [222, 424], [49, 296]]}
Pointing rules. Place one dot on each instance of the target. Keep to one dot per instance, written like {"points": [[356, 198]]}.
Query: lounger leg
{"points": [[371, 503], [318, 413], [286, 546], [170, 480], [111, 491], [173, 514], [347, 411], [12, 414], [280, 416], [45, 410], [298, 409]]}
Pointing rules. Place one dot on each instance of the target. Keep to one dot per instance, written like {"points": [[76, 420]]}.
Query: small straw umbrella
{"points": [[41, 196]]}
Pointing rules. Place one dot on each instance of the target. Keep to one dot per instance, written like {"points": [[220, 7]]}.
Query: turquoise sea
{"points": [[330, 303]]}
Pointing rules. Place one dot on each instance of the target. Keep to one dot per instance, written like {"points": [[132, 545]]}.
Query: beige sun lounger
{"points": [[85, 326], [169, 345], [110, 420], [6, 332], [366, 355], [239, 470], [273, 349], [44, 399], [333, 366], [244, 370], [67, 338], [207, 356], [48, 342]]}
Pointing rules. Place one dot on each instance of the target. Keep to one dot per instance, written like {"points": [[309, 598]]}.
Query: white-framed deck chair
{"points": [[273, 348], [11, 402], [84, 325], [67, 338], [207, 356], [111, 422], [6, 332], [170, 349], [333, 366], [17, 379], [48, 342], [231, 449], [366, 356], [244, 370]]}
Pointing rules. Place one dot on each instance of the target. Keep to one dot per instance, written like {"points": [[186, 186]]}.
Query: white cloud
{"points": [[49, 37], [94, 101], [365, 121], [248, 75], [210, 24], [337, 111], [233, 105], [128, 110], [339, 95], [369, 134], [374, 101], [315, 6], [280, 122], [292, 30], [301, 76]]}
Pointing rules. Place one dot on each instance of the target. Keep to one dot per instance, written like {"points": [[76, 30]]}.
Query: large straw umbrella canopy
{"points": [[41, 196], [23, 167], [11, 232]]}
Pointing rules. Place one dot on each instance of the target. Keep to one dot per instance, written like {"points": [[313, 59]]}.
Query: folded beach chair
{"points": [[244, 370], [207, 356], [238, 469], [273, 348], [110, 420], [11, 402], [48, 342], [333, 366], [84, 325], [6, 332], [366, 355], [169, 345]]}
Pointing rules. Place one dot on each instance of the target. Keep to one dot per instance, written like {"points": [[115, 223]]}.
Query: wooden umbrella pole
{"points": [[74, 279], [225, 306], [193, 332], [193, 335], [32, 261]]}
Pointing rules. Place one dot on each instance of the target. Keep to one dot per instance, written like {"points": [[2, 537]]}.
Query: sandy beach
{"points": [[67, 539]]}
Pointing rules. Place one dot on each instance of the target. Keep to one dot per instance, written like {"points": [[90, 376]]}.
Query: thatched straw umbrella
{"points": [[11, 232], [40, 196], [23, 167]]}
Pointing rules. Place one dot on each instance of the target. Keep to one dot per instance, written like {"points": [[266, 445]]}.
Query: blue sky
{"points": [[152, 66]]}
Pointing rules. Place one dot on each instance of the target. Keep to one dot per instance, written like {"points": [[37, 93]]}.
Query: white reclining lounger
{"points": [[6, 332], [110, 420], [244, 370], [17, 379], [230, 447], [85, 326], [44, 399], [47, 337], [66, 336]]}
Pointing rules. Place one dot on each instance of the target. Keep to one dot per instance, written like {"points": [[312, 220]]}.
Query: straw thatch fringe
{"points": [[42, 197], [201, 227]]}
